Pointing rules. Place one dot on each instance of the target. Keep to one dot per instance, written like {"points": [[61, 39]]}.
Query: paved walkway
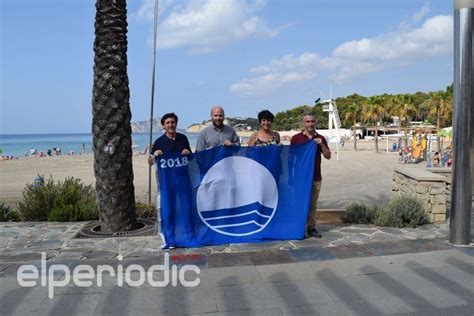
{"points": [[22, 242], [431, 283], [353, 269]]}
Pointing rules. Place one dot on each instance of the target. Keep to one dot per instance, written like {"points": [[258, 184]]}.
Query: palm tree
{"points": [[404, 107], [440, 109], [373, 112], [352, 114], [111, 128]]}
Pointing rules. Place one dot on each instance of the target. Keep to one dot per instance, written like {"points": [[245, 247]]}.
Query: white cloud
{"points": [[421, 14], [279, 72], [147, 9], [434, 37], [207, 25], [269, 82], [353, 59]]}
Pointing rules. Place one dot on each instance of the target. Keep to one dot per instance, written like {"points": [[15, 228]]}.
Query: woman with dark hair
{"points": [[171, 141], [265, 135]]}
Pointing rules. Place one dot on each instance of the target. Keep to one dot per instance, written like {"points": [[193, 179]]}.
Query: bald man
{"points": [[218, 133]]}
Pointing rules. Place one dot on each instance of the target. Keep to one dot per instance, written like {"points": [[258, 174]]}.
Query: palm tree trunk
{"points": [[111, 128]]}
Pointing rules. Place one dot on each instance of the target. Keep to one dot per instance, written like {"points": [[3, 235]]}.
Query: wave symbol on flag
{"points": [[237, 203], [239, 220]]}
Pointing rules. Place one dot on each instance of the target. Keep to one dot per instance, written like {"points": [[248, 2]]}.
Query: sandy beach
{"points": [[362, 175]]}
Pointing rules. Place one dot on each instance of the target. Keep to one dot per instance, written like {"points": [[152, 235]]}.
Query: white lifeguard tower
{"points": [[334, 123]]}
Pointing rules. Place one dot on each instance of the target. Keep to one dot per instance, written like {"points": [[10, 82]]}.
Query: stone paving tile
{"points": [[350, 241], [357, 230], [10, 270], [300, 293], [79, 243], [17, 243], [447, 280], [230, 276], [349, 287], [327, 237], [270, 257], [4, 241], [384, 306], [147, 300], [311, 254], [189, 259], [247, 247], [18, 256], [350, 251], [230, 298], [138, 253], [391, 230], [388, 248], [22, 300], [286, 272], [100, 254], [467, 250], [421, 245], [385, 237], [435, 302], [198, 251], [228, 260], [218, 248], [83, 304], [91, 262]]}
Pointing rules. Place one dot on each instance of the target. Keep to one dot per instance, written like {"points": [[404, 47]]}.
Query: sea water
{"points": [[20, 145]]}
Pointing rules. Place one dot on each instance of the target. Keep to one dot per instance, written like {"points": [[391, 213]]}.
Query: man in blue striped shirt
{"points": [[218, 133]]}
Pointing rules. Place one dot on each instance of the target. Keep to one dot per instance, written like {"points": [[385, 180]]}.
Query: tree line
{"points": [[434, 108]]}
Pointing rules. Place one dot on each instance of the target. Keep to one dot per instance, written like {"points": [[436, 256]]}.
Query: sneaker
{"points": [[314, 233]]}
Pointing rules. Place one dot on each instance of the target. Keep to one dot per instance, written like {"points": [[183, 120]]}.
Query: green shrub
{"points": [[38, 200], [9, 214], [359, 214], [403, 212], [74, 202], [145, 210], [14, 216], [70, 200]]}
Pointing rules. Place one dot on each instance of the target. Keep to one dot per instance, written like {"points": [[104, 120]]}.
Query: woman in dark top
{"points": [[171, 141], [265, 135]]}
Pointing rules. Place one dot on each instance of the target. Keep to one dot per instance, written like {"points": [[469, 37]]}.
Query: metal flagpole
{"points": [[463, 126], [150, 143]]}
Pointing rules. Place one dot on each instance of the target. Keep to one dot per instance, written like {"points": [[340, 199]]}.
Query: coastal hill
{"points": [[238, 123], [144, 126]]}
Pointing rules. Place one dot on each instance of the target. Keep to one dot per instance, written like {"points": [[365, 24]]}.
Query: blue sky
{"points": [[244, 55]]}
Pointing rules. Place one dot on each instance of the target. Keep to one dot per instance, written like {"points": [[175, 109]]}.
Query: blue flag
{"points": [[235, 194]]}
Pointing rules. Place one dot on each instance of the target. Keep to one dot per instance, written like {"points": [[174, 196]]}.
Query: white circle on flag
{"points": [[237, 197]]}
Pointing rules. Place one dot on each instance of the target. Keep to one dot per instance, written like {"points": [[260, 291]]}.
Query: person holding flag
{"points": [[310, 134], [218, 133], [171, 141]]}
